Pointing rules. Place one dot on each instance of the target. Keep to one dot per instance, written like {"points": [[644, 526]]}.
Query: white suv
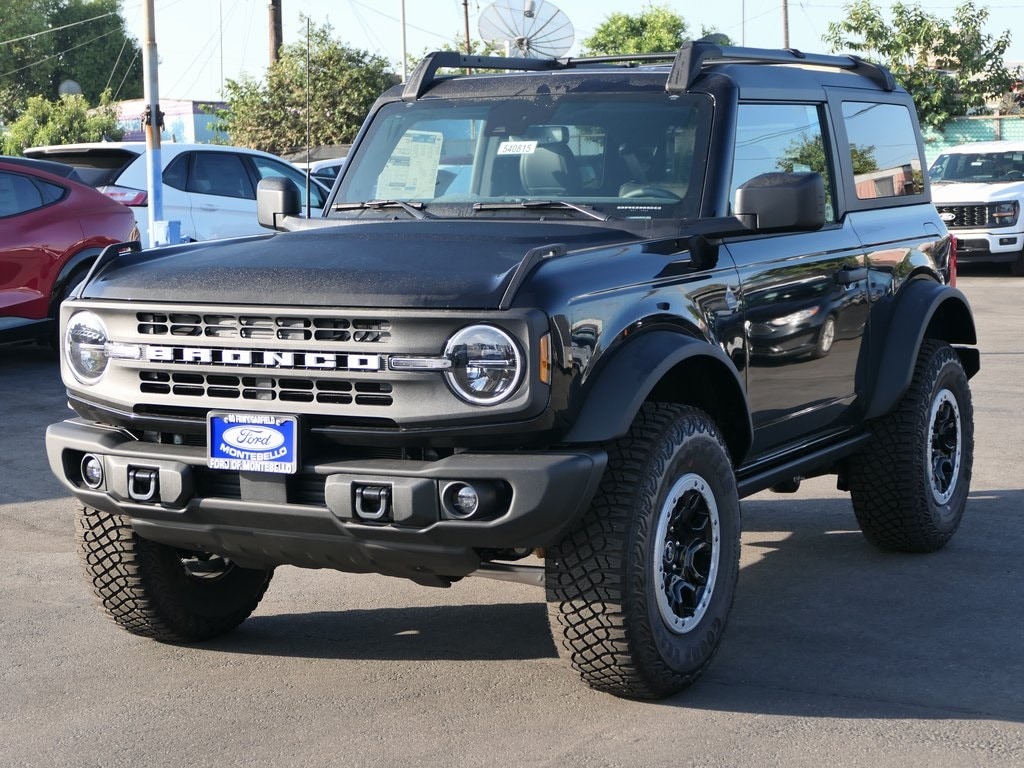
{"points": [[210, 189], [979, 189]]}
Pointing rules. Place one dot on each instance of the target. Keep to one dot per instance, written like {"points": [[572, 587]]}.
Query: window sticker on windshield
{"points": [[411, 171], [517, 147]]}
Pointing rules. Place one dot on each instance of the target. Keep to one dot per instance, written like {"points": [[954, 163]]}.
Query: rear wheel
{"points": [[910, 486], [640, 590], [162, 592]]}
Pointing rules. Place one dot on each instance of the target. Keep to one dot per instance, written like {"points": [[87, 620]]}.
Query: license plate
{"points": [[253, 442]]}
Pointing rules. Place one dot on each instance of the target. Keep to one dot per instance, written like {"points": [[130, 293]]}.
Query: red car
{"points": [[52, 228]]}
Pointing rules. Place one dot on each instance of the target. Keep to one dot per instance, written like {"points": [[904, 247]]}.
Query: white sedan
{"points": [[209, 188]]}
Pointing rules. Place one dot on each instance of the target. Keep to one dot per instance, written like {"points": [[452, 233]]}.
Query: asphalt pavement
{"points": [[836, 654]]}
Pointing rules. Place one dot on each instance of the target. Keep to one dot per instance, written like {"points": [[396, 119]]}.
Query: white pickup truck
{"points": [[978, 189]]}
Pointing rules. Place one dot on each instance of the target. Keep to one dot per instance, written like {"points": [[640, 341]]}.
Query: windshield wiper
{"points": [[413, 209], [528, 204]]}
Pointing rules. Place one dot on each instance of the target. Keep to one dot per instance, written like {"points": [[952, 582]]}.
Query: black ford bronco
{"points": [[555, 321]]}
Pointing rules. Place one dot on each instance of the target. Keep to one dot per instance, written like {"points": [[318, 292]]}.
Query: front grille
{"points": [[265, 327], [974, 216], [267, 388]]}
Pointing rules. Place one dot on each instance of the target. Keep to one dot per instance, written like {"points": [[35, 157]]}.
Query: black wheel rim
{"points": [[686, 554], [944, 446]]}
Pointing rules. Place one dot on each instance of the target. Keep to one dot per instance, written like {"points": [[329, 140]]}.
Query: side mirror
{"points": [[276, 197], [781, 201]]}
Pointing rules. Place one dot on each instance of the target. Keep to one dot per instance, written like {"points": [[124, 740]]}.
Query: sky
{"points": [[203, 43]]}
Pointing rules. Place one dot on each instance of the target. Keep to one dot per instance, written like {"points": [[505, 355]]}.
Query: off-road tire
{"points": [[612, 617], [910, 486], [146, 588]]}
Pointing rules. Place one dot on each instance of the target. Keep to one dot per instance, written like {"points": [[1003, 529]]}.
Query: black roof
{"points": [[57, 169]]}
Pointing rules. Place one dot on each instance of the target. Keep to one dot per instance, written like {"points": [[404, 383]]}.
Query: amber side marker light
{"points": [[545, 359]]}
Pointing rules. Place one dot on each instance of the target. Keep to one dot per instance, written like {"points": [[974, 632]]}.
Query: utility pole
{"points": [[152, 120], [276, 29], [785, 23], [465, 15]]}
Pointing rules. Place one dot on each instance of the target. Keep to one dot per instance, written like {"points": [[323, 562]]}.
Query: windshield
{"points": [[608, 156], [984, 167]]}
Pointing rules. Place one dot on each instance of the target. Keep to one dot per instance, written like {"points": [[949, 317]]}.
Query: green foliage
{"points": [[951, 67], [654, 29], [809, 152], [97, 54], [65, 120], [343, 84]]}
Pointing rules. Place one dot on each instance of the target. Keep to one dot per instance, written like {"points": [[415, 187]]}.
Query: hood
{"points": [[945, 193], [426, 264]]}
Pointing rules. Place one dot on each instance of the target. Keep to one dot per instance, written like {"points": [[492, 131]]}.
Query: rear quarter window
{"points": [[883, 151]]}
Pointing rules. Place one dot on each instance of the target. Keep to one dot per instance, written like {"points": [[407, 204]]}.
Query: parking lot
{"points": [[836, 654]]}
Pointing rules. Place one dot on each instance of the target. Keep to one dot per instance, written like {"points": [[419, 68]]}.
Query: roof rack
{"points": [[423, 76], [694, 55], [687, 64]]}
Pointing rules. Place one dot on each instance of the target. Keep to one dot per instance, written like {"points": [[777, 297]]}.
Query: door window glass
{"points": [[773, 138], [267, 168], [220, 173], [18, 194]]}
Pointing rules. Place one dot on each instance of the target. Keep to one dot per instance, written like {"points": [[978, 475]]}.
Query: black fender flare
{"points": [[80, 261], [657, 360], [922, 309]]}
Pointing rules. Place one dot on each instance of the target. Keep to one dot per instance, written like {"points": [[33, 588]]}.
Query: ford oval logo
{"points": [[947, 216], [250, 437]]}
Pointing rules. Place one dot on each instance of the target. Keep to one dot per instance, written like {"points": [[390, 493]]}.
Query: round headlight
{"points": [[84, 342], [486, 364]]}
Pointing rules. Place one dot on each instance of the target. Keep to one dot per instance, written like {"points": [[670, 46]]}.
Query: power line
{"points": [[59, 53], [57, 29]]}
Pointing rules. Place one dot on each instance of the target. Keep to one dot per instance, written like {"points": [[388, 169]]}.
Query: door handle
{"points": [[850, 275]]}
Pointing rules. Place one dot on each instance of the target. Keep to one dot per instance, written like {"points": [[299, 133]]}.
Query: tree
{"points": [[950, 67], [65, 120], [343, 84], [809, 152], [24, 66], [655, 29], [39, 50], [96, 52]]}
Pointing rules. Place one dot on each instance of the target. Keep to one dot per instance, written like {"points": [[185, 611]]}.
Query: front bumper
{"points": [[319, 518], [984, 246]]}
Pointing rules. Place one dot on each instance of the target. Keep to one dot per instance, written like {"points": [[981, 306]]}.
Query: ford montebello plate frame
{"points": [[253, 442]]}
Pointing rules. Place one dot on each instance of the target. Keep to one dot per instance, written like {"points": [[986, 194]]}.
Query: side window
{"points": [[883, 149], [176, 173], [268, 169], [18, 194], [780, 137], [220, 173]]}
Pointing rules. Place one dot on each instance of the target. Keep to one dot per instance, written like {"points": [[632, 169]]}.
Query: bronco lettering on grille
{"points": [[262, 358]]}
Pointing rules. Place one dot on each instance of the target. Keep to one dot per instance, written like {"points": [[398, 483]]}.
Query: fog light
{"points": [[92, 471], [466, 501]]}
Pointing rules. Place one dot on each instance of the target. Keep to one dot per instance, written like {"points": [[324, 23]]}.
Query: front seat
{"points": [[551, 169]]}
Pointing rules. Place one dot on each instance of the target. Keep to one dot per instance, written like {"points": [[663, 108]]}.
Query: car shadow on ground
{"points": [[824, 625]]}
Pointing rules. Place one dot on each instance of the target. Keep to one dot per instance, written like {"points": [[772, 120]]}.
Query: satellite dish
{"points": [[532, 28]]}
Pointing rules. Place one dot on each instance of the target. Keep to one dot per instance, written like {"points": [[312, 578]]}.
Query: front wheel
{"points": [[910, 486], [640, 590], [161, 592]]}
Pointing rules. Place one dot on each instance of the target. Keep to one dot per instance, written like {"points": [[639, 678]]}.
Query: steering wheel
{"points": [[1014, 175]]}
